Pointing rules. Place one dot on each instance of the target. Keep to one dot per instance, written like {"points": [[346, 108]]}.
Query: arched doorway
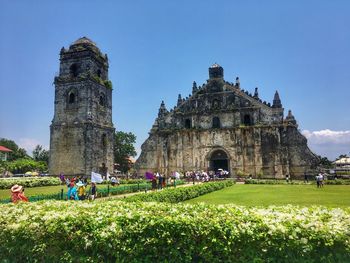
{"points": [[219, 160]]}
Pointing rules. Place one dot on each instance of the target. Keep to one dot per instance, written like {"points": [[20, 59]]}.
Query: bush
{"points": [[116, 231], [29, 182], [175, 195], [298, 182], [25, 165]]}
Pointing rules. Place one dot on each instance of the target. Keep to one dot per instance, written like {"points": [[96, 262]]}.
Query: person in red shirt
{"points": [[17, 194]]}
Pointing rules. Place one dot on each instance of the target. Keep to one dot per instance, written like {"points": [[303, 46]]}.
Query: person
{"points": [[81, 190], [163, 182], [72, 192], [160, 182], [287, 178], [113, 181], [154, 183], [306, 180], [93, 191], [17, 194], [67, 182], [321, 176], [318, 178], [62, 178]]}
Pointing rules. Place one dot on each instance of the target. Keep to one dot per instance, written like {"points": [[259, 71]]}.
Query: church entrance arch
{"points": [[219, 160]]}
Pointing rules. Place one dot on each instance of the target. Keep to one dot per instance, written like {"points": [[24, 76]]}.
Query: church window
{"points": [[188, 124], [74, 70], [215, 104], [104, 140], [71, 98], [102, 100], [247, 120], [99, 73], [216, 123]]}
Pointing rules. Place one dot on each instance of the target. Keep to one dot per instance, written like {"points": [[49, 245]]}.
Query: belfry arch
{"points": [[218, 159]]}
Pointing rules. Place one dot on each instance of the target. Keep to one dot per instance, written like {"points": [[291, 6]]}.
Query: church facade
{"points": [[221, 126], [82, 132]]}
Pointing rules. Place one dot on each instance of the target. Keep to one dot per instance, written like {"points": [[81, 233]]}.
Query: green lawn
{"points": [[264, 195]]}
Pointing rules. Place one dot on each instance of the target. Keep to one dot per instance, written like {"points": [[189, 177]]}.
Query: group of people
{"points": [[202, 176], [77, 189], [160, 181]]}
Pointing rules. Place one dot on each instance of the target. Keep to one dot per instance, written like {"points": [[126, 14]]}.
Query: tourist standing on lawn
{"points": [[318, 178], [154, 183], [287, 178], [321, 179], [81, 190], [62, 178], [113, 181], [93, 191], [72, 192], [160, 182], [17, 194]]}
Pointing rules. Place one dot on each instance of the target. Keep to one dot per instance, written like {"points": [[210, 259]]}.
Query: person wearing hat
{"points": [[17, 194]]}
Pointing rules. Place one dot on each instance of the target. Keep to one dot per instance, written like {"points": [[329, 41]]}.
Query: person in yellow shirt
{"points": [[81, 190]]}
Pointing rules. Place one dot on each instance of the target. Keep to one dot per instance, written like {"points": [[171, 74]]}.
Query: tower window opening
{"points": [[216, 123], [188, 124], [71, 98], [102, 100], [99, 73], [104, 140], [74, 70]]}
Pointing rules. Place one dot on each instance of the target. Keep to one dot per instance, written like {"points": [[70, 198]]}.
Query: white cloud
{"points": [[29, 144], [328, 143]]}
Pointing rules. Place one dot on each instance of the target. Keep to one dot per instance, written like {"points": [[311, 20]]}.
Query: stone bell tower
{"points": [[82, 132]]}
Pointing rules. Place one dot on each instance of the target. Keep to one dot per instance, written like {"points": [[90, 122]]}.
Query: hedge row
{"points": [[175, 195], [297, 182], [117, 231], [129, 188], [7, 183], [133, 181]]}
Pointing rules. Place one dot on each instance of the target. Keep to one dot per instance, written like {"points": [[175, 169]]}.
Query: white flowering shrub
{"points": [[29, 182], [117, 231], [175, 195]]}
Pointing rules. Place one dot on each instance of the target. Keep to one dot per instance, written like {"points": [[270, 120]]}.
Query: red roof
{"points": [[4, 149]]}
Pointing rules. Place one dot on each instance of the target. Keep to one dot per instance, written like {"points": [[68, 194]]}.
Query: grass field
{"points": [[265, 195]]}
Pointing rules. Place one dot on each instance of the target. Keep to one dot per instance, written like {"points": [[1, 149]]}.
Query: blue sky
{"points": [[158, 48]]}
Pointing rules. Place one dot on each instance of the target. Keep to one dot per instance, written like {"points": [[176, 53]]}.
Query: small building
{"points": [[342, 165], [4, 152]]}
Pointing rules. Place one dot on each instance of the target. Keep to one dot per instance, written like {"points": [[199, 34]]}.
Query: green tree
{"points": [[25, 165], [124, 149], [17, 152], [40, 154], [325, 162]]}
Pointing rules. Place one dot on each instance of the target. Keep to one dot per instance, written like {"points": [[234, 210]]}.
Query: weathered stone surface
{"points": [[221, 119], [81, 132]]}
